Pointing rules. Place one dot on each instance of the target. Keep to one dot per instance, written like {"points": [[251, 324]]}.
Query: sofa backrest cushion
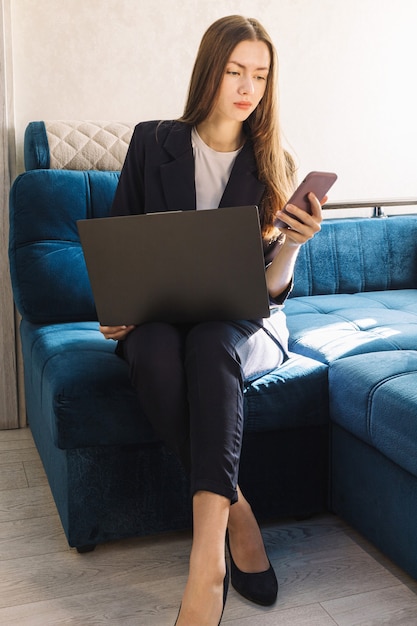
{"points": [[76, 144], [359, 254], [49, 276]]}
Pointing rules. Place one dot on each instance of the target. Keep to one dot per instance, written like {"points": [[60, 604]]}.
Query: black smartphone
{"points": [[317, 182]]}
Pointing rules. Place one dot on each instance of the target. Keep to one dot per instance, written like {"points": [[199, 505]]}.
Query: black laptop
{"points": [[182, 266]]}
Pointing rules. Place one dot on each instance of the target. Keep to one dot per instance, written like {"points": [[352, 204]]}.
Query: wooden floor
{"points": [[328, 574]]}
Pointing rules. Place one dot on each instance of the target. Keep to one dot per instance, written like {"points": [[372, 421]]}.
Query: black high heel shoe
{"points": [[225, 590], [259, 587]]}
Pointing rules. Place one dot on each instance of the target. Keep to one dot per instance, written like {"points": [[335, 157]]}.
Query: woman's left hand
{"points": [[303, 228]]}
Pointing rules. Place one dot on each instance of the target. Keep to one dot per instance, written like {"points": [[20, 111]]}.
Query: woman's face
{"points": [[244, 82]]}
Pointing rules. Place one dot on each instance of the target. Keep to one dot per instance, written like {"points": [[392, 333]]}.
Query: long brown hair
{"points": [[275, 166]]}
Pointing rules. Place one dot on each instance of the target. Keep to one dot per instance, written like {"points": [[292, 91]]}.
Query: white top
{"points": [[212, 172]]}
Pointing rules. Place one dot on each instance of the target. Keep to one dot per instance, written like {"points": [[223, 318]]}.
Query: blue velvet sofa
{"points": [[312, 427]]}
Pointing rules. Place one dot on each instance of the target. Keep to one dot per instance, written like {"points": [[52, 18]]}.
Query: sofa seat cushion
{"points": [[374, 397], [73, 376], [294, 395], [328, 327]]}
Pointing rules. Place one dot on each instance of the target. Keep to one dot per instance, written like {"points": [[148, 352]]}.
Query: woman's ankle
{"points": [[202, 602]]}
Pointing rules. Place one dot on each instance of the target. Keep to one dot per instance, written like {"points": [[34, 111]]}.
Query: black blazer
{"points": [[158, 173]]}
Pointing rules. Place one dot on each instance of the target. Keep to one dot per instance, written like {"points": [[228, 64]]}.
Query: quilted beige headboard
{"points": [[77, 145]]}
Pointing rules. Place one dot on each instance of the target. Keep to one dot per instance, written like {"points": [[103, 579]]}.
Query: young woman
{"points": [[224, 151]]}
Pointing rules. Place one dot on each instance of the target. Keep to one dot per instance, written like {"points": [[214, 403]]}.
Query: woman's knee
{"points": [[211, 337], [211, 355]]}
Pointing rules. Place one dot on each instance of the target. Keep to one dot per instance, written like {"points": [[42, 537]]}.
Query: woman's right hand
{"points": [[115, 332]]}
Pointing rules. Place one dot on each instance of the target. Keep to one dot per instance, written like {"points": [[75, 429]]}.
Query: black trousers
{"points": [[190, 382]]}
